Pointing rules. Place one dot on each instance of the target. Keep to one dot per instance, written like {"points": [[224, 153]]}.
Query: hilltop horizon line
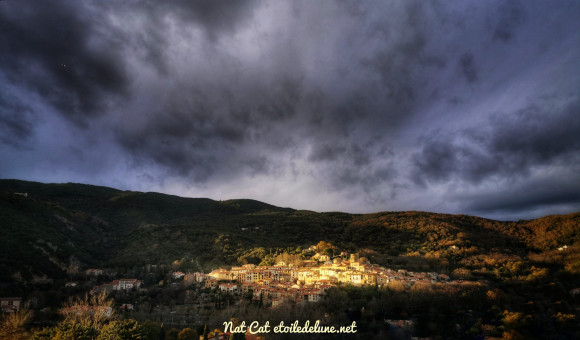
{"points": [[273, 205]]}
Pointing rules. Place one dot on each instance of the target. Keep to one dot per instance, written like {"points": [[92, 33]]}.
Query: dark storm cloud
{"points": [[368, 105], [215, 16], [64, 51], [199, 133], [537, 135], [150, 41], [403, 63], [533, 195], [511, 15], [355, 165], [509, 146], [17, 121], [47, 50], [468, 67]]}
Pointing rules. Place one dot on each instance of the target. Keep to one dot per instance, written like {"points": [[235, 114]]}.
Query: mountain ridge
{"points": [[58, 226]]}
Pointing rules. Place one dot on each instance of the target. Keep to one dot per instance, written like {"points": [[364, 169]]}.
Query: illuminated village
{"points": [[306, 282], [286, 282]]}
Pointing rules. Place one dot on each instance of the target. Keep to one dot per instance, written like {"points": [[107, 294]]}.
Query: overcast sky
{"points": [[468, 107]]}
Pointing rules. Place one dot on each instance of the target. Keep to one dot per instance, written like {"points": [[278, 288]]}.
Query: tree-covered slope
{"points": [[102, 226]]}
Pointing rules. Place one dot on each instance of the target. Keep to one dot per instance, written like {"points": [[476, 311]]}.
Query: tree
{"points": [[88, 312], [84, 319], [322, 245], [153, 330], [13, 325], [172, 334], [47, 333], [187, 334], [66, 330], [462, 273], [121, 330], [295, 259]]}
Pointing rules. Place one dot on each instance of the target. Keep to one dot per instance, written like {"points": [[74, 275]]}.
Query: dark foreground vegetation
{"points": [[525, 272]]}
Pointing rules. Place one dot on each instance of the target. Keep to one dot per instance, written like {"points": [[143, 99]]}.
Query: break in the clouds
{"points": [[450, 106]]}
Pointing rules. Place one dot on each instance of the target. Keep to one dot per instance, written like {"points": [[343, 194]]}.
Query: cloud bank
{"points": [[459, 107]]}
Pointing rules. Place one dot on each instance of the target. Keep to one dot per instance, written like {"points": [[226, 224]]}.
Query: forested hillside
{"points": [[56, 227], [521, 275]]}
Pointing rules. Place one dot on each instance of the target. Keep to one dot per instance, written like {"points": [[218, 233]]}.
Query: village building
{"points": [[219, 274], [211, 283], [308, 283], [126, 284], [10, 304], [277, 302], [94, 272], [126, 307], [228, 287], [177, 275]]}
